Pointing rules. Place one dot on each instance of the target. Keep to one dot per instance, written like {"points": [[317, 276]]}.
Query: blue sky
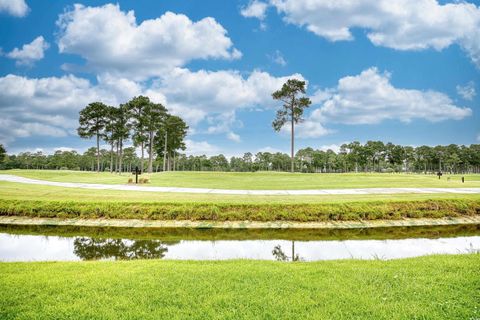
{"points": [[401, 71]]}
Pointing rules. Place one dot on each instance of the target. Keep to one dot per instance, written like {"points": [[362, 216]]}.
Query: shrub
{"points": [[146, 180], [130, 180]]}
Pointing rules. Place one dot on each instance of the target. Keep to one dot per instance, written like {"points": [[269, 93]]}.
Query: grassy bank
{"points": [[434, 287], [240, 212], [261, 180], [46, 201]]}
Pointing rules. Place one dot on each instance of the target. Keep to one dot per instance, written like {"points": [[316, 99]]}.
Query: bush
{"points": [[130, 180], [146, 180]]}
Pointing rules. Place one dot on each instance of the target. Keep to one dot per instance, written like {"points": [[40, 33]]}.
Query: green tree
{"points": [[292, 109], [171, 137], [121, 131], [92, 123], [130, 157], [3, 153], [154, 118], [109, 132], [137, 107]]}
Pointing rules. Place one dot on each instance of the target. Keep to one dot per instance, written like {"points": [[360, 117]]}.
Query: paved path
{"points": [[120, 187]]}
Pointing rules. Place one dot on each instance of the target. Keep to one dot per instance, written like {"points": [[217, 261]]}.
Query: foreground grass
{"points": [[261, 180], [44, 201], [434, 287]]}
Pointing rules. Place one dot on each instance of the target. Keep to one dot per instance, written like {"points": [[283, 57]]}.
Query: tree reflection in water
{"points": [[87, 248], [281, 256]]}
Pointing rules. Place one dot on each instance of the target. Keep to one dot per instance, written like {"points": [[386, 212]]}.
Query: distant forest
{"points": [[373, 156]]}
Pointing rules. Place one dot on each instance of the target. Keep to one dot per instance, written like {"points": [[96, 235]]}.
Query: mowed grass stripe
{"points": [[261, 180]]}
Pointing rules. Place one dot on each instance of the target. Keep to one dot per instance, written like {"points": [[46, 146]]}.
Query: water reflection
{"points": [[119, 249], [47, 243], [279, 255]]}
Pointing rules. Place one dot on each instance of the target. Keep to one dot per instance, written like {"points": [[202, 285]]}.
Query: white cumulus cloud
{"points": [[202, 96], [255, 9], [370, 98], [234, 137], [198, 148], [278, 58], [50, 106], [16, 8], [401, 24], [30, 52], [467, 91], [111, 40], [216, 95]]}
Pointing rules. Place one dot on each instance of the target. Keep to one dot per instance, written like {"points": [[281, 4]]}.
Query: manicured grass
{"points": [[20, 191], [433, 287], [44, 201], [260, 180]]}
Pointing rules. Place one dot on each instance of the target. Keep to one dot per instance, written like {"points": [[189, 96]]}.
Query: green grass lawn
{"points": [[47, 201], [260, 180], [18, 199], [28, 192], [432, 287]]}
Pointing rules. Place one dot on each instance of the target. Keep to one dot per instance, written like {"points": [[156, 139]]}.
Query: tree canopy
{"points": [[291, 110]]}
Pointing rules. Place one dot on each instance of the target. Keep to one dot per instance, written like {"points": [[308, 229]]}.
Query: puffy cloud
{"points": [[200, 148], [17, 8], [49, 106], [234, 137], [310, 128], [401, 25], [216, 94], [124, 47], [255, 9], [467, 91], [212, 97], [278, 58], [370, 98], [334, 147], [30, 52]]}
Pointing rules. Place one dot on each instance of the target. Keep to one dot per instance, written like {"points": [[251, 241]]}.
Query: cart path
{"points": [[119, 187]]}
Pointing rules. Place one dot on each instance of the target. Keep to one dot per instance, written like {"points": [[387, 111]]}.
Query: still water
{"points": [[76, 243]]}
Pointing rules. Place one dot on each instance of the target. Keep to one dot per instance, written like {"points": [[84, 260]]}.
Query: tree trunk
{"points": [[111, 157], [117, 144], [165, 153], [292, 143], [98, 151], [174, 164], [150, 152], [121, 155], [141, 161]]}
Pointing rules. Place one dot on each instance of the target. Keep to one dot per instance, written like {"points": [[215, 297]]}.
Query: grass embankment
{"points": [[434, 287], [261, 180], [45, 201]]}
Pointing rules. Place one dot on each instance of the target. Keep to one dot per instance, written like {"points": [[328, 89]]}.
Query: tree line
{"points": [[372, 156], [149, 126]]}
